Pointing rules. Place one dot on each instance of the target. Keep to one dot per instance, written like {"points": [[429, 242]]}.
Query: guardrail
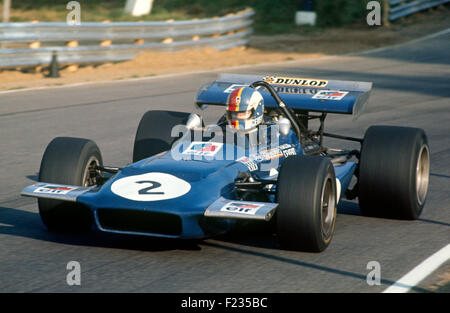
{"points": [[401, 8], [32, 44]]}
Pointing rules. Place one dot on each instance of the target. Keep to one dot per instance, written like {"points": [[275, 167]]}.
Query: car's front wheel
{"points": [[306, 214], [68, 161], [154, 133]]}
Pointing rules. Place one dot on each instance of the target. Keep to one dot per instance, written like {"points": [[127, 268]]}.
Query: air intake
{"points": [[140, 221]]}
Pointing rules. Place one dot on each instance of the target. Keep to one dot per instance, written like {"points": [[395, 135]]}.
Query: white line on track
{"points": [[420, 272], [440, 33]]}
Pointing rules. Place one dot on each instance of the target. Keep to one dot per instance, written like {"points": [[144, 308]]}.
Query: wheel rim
{"points": [[328, 207], [90, 172], [422, 174]]}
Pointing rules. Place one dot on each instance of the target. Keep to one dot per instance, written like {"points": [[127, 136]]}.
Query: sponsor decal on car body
{"points": [[287, 150], [267, 155], [233, 87], [330, 95], [295, 90], [293, 81], [251, 164], [241, 207], [280, 89], [51, 189], [203, 148]]}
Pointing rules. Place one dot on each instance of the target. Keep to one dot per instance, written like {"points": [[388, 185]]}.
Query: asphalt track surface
{"points": [[411, 88]]}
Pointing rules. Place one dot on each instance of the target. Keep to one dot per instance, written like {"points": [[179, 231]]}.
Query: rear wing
{"points": [[299, 94]]}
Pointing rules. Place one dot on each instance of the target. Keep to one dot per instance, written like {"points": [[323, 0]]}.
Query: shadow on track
{"points": [[262, 234], [34, 177], [14, 222], [439, 175], [306, 264], [352, 208]]}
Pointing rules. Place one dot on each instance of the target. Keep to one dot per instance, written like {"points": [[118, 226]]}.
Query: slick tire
{"points": [[394, 172], [153, 135], [68, 161], [306, 214]]}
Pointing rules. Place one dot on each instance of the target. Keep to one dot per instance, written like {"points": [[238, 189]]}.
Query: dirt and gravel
{"points": [[311, 43]]}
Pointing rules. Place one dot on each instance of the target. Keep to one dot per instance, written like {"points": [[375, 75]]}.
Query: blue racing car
{"points": [[260, 161]]}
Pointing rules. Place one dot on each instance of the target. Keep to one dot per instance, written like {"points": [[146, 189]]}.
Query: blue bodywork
{"points": [[296, 97], [198, 174], [210, 178]]}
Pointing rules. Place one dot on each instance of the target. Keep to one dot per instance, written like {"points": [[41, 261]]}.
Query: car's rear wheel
{"points": [[68, 161], [394, 172], [154, 133], [306, 214]]}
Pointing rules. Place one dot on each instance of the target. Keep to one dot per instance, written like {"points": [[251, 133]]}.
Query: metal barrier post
{"points": [[386, 7], [54, 66]]}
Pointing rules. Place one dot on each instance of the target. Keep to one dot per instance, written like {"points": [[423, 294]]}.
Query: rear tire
{"points": [[68, 161], [394, 172], [153, 135], [306, 214]]}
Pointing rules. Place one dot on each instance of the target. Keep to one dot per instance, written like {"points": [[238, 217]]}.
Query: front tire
{"points": [[68, 161], [154, 133], [306, 214], [394, 172]]}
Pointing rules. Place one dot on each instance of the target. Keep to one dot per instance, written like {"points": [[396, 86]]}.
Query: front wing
{"points": [[55, 191]]}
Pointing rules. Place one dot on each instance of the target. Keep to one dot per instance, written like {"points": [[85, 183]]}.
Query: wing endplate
{"points": [[226, 208]]}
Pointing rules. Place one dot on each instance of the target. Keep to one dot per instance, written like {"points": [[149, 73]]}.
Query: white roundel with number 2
{"points": [[150, 187]]}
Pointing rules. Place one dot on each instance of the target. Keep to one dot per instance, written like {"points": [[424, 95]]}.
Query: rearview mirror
{"points": [[194, 121]]}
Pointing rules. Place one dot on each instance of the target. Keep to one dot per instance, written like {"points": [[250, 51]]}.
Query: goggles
{"points": [[243, 115]]}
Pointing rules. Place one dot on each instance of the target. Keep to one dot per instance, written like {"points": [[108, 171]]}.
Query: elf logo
{"points": [[61, 190], [241, 208]]}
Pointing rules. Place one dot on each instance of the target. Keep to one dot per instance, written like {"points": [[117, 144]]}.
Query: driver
{"points": [[245, 109]]}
